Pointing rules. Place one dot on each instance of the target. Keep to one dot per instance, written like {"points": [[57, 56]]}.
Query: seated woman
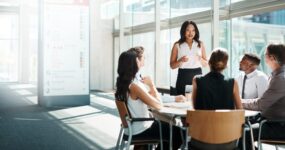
{"points": [[139, 50], [132, 89], [213, 90]]}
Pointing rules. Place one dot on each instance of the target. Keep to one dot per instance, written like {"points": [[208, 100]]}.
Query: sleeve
{"points": [[177, 46], [262, 85], [274, 92]]}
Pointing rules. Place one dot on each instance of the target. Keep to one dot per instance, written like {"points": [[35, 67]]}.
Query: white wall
{"points": [[101, 48]]}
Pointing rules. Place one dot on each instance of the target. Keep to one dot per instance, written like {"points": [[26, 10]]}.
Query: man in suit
{"points": [[272, 103]]}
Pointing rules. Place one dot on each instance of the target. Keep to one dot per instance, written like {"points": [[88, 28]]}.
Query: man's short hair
{"points": [[278, 51], [253, 58]]}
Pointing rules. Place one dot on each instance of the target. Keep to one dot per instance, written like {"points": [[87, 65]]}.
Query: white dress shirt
{"points": [[193, 54], [255, 84]]}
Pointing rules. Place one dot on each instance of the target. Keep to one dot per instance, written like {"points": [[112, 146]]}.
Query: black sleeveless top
{"points": [[214, 92]]}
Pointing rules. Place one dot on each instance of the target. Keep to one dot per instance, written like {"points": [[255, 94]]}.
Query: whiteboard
{"points": [[65, 48]]}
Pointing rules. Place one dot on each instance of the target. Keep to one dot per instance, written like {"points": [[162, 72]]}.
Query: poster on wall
{"points": [[65, 47]]}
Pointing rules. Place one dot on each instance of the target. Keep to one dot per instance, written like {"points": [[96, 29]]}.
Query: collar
{"points": [[252, 74], [216, 74], [138, 76], [279, 70], [193, 43]]}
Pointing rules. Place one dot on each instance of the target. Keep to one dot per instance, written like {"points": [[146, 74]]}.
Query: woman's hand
{"points": [[174, 61], [152, 89], [147, 80], [184, 58], [180, 98]]}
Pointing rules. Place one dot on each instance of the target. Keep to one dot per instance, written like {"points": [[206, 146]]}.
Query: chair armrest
{"points": [[163, 90], [260, 131], [271, 121], [142, 119], [274, 120]]}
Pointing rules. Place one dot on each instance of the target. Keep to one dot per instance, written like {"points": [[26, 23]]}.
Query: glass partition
{"points": [[138, 12], [9, 47], [175, 8], [253, 33], [147, 41], [246, 33]]}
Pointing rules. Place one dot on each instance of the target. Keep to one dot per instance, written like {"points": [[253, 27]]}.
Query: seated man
{"points": [[252, 83], [272, 102]]}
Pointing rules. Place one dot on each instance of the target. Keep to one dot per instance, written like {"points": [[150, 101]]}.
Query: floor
{"points": [[26, 126]]}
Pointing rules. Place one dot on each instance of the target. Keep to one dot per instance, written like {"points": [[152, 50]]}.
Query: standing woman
{"points": [[188, 54]]}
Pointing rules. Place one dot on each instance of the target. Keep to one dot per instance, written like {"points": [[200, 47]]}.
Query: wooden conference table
{"points": [[173, 112]]}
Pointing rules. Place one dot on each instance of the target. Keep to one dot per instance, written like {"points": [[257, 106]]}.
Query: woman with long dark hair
{"points": [[188, 54], [132, 90], [141, 58]]}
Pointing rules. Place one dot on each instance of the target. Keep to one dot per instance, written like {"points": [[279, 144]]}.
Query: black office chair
{"points": [[127, 121], [269, 141], [173, 91]]}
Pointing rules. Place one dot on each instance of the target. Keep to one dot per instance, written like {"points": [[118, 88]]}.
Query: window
{"points": [[240, 31], [138, 12], [253, 33], [9, 47]]}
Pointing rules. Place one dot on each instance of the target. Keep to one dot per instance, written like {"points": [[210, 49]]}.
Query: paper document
{"points": [[167, 98], [181, 105], [173, 111]]}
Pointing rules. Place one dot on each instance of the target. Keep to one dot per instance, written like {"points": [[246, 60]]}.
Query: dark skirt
{"points": [[185, 77]]}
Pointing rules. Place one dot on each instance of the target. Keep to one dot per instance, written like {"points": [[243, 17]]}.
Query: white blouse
{"points": [[138, 109], [193, 54]]}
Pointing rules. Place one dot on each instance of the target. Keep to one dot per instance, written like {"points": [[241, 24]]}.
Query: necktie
{"points": [[243, 86]]}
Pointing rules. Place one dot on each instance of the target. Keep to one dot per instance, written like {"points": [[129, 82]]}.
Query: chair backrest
{"points": [[123, 111], [215, 126]]}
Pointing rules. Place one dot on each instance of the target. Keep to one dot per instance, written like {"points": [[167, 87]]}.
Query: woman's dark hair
{"points": [[139, 51], [278, 52], [183, 31], [218, 60], [127, 69]]}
